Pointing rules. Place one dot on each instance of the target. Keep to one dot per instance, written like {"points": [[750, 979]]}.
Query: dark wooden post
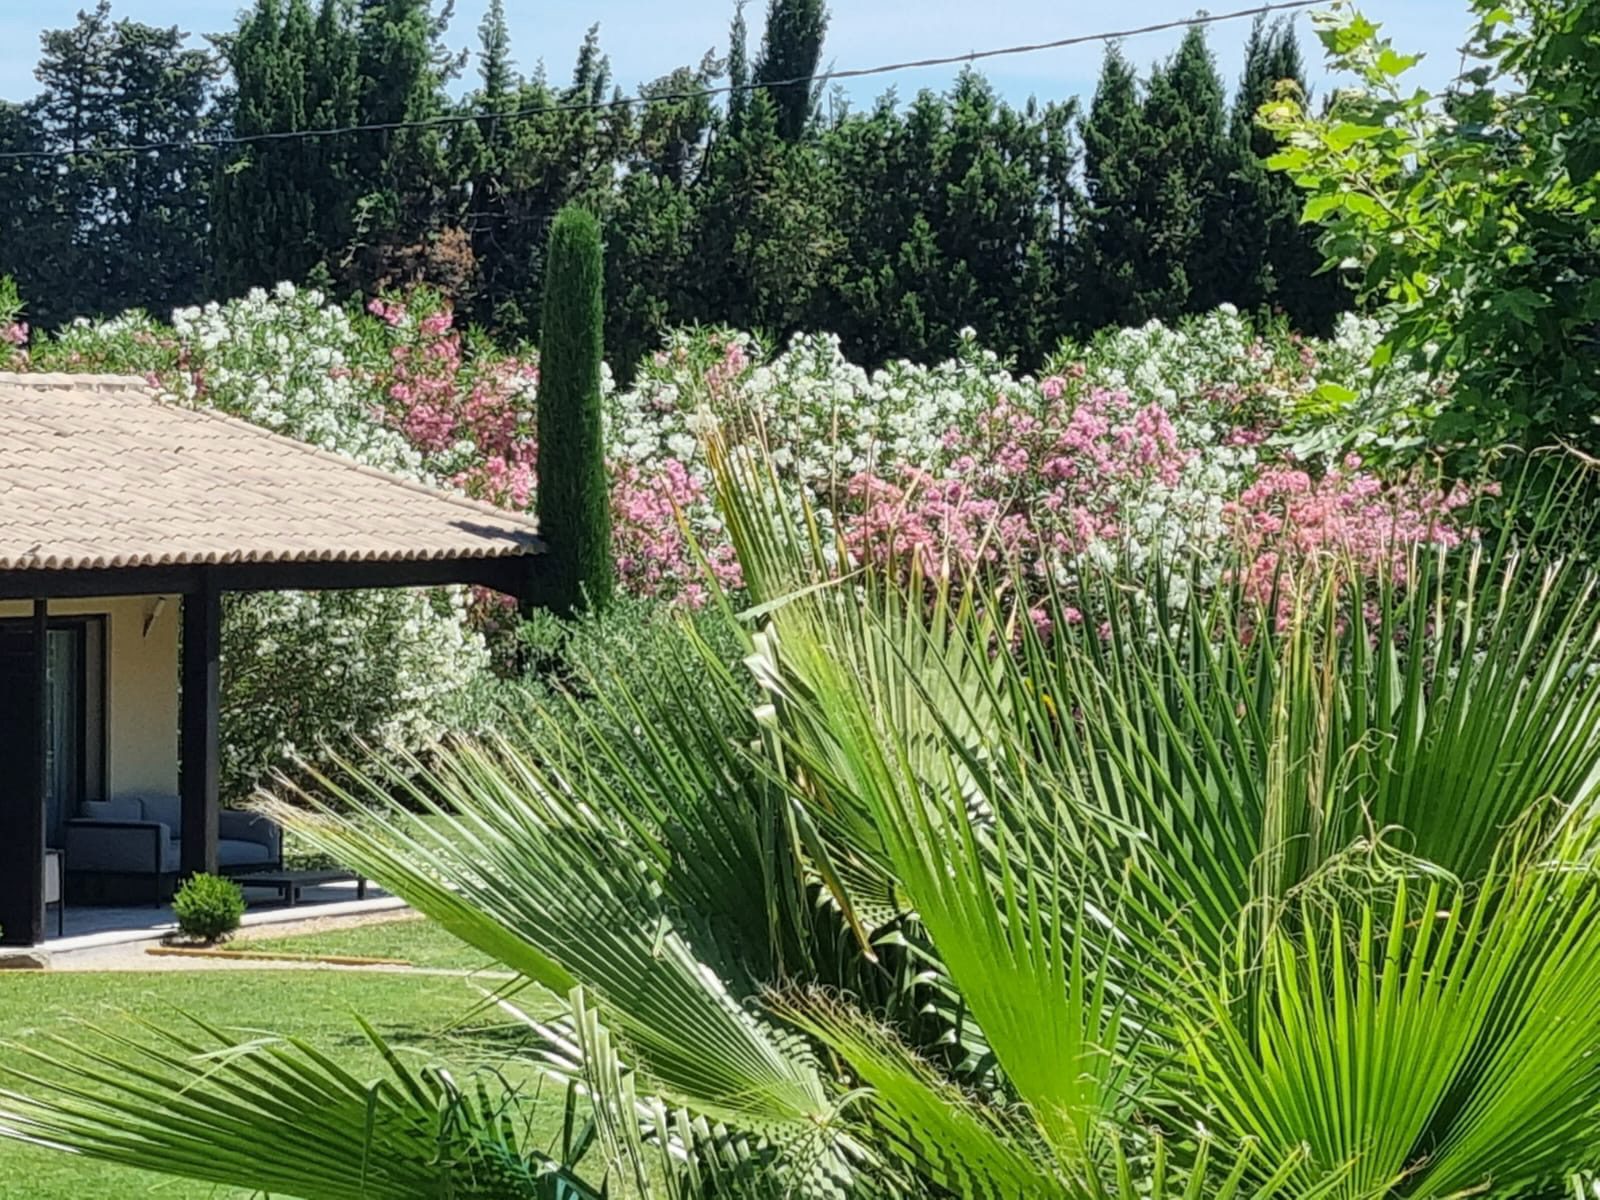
{"points": [[199, 722], [22, 814]]}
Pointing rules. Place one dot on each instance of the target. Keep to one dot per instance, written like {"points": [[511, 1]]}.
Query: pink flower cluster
{"points": [[1027, 488], [1292, 528], [653, 557], [448, 404], [442, 401], [14, 333]]}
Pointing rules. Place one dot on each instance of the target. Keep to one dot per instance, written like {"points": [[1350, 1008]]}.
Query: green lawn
{"points": [[314, 1004], [419, 942]]}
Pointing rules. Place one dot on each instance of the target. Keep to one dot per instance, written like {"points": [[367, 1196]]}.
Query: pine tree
{"points": [[738, 67], [592, 75], [791, 49], [574, 500], [1112, 231], [494, 57], [112, 231], [1178, 261]]}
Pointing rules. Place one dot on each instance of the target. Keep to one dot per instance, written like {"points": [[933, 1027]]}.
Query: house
{"points": [[124, 519]]}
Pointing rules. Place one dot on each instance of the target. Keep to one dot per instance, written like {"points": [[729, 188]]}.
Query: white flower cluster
{"points": [[381, 666], [287, 362]]}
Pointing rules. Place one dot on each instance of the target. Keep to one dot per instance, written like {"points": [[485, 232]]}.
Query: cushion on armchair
{"points": [[119, 808], [140, 847], [166, 809], [234, 852]]}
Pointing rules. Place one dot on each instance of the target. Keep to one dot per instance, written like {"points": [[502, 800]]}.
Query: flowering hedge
{"points": [[1147, 445]]}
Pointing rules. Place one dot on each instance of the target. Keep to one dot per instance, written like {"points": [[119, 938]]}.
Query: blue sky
{"points": [[646, 38]]}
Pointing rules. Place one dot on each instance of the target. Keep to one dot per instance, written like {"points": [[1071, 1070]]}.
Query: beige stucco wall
{"points": [[141, 686]]}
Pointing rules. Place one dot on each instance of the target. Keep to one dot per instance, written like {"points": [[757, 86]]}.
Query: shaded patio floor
{"points": [[89, 925]]}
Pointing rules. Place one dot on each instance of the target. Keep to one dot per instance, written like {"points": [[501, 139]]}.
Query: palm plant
{"points": [[921, 902]]}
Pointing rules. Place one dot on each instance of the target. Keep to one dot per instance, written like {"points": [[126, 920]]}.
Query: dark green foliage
{"points": [[523, 168], [1111, 233], [1270, 260], [1187, 167], [100, 233], [738, 66], [896, 226], [791, 50], [359, 207], [208, 908], [494, 57], [574, 495], [952, 214], [283, 207]]}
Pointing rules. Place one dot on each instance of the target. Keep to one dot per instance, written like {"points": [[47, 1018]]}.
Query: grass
{"points": [[318, 1005], [419, 942]]}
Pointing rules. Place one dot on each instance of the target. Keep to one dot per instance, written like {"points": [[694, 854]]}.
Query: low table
{"points": [[290, 883]]}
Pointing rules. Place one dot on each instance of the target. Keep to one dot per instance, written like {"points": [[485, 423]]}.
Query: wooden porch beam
{"points": [[513, 575], [199, 722], [22, 813]]}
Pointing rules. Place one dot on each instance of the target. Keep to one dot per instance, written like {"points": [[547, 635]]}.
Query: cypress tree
{"points": [[1269, 260], [283, 209], [792, 49], [1247, 280], [1178, 263], [574, 500], [1111, 228], [738, 67]]}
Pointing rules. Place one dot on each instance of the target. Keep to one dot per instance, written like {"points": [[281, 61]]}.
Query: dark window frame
{"points": [[94, 628]]}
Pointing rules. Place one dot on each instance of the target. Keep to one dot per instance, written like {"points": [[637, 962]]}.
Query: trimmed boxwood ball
{"points": [[208, 907], [574, 491]]}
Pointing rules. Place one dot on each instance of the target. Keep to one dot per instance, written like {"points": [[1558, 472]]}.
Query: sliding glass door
{"points": [[74, 711]]}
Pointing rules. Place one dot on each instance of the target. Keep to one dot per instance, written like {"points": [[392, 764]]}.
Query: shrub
{"points": [[13, 329], [208, 907], [574, 504], [1470, 216]]}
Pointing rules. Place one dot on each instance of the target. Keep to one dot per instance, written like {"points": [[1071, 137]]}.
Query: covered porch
{"points": [[124, 522], [92, 926]]}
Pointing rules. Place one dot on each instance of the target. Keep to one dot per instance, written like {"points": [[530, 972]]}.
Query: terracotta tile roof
{"points": [[96, 472]]}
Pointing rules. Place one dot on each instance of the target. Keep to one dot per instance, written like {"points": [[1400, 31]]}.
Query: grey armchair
{"points": [[140, 836]]}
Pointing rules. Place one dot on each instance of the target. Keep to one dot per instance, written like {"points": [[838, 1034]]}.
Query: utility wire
{"points": [[451, 119]]}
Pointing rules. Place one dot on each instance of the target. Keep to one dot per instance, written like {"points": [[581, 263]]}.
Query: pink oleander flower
{"points": [[389, 314], [653, 557], [1293, 529]]}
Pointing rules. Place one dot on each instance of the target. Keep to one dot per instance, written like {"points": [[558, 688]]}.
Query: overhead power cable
{"points": [[824, 77]]}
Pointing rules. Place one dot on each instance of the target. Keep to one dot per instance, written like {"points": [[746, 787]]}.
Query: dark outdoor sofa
{"points": [[135, 840]]}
